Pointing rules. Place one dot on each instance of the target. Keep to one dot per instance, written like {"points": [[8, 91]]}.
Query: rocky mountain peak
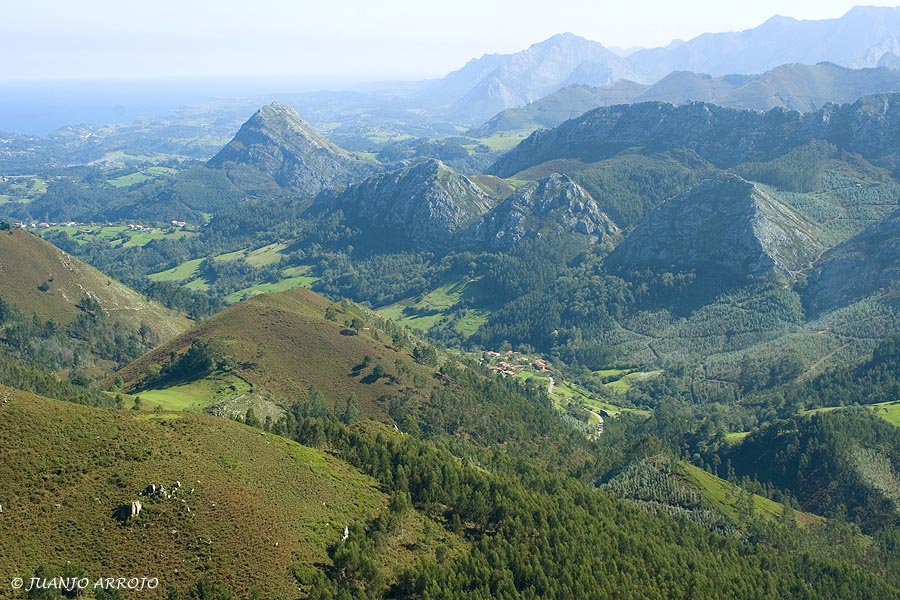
{"points": [[277, 141], [722, 225], [553, 202], [424, 205]]}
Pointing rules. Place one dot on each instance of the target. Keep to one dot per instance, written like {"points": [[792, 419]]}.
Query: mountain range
{"points": [[486, 85], [719, 135], [864, 37], [804, 88]]}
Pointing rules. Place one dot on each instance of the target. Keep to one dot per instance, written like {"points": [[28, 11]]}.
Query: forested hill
{"points": [[837, 463]]}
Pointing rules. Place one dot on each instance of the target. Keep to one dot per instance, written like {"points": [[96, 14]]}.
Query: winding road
{"points": [[552, 384]]}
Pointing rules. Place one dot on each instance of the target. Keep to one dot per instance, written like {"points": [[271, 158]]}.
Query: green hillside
{"points": [[284, 344], [43, 280], [673, 486], [251, 507], [836, 463]]}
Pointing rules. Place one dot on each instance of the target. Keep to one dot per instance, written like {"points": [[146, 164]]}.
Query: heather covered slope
{"points": [[285, 345], [38, 278], [250, 507]]}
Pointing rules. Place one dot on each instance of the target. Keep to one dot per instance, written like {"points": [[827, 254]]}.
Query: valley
{"points": [[569, 321]]}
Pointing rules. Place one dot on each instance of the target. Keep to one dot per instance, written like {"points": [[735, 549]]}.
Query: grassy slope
{"points": [[294, 277], [263, 502], [565, 392], [185, 270], [291, 277], [435, 307], [723, 497], [196, 395], [26, 262], [889, 411], [140, 176], [283, 345], [111, 233], [506, 140]]}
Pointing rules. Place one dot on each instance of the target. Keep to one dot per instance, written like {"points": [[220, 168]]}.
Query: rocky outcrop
{"points": [[424, 205], [865, 264], [723, 136], [127, 512], [725, 226], [278, 142], [555, 203]]}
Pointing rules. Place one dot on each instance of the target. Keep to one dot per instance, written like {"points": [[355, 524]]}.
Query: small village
{"points": [[512, 363], [87, 227]]}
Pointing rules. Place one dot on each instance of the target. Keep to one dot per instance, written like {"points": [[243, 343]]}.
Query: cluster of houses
{"points": [[48, 224], [139, 227], [510, 363], [541, 366]]}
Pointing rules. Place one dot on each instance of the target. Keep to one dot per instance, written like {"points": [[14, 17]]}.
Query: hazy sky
{"points": [[337, 39]]}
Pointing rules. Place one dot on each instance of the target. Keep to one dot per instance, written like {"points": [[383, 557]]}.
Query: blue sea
{"points": [[39, 107]]}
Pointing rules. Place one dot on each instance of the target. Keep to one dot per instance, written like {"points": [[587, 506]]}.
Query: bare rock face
{"points": [[424, 205], [865, 264], [278, 142], [555, 203], [723, 225], [127, 512]]}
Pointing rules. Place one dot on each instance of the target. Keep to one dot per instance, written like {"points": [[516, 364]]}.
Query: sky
{"points": [[337, 40]]}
